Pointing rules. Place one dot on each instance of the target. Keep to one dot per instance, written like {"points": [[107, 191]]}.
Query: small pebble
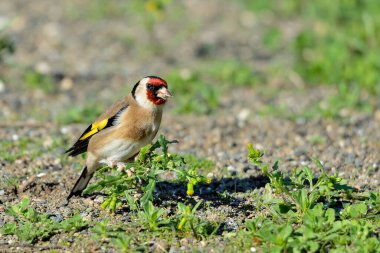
{"points": [[2, 86], [15, 137], [64, 130], [232, 170], [41, 174]]}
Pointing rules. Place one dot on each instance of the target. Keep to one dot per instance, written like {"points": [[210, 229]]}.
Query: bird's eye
{"points": [[151, 87]]}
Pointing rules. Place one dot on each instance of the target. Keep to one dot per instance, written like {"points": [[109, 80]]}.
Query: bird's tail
{"points": [[81, 183]]}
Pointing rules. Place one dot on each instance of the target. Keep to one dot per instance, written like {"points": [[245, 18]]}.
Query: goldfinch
{"points": [[122, 130]]}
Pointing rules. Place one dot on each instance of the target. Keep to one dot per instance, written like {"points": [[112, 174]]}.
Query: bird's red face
{"points": [[157, 90]]}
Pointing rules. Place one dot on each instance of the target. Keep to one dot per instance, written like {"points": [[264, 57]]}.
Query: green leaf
{"points": [[196, 207], [283, 234], [131, 202], [254, 155], [319, 165], [148, 196], [330, 215], [358, 210], [181, 207], [309, 175]]}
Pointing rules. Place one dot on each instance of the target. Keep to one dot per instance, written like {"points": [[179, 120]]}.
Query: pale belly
{"points": [[122, 150]]}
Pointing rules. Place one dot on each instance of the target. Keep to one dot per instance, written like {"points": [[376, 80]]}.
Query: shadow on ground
{"points": [[219, 192]]}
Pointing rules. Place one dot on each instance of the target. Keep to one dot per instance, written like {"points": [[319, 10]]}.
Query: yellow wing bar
{"points": [[96, 127]]}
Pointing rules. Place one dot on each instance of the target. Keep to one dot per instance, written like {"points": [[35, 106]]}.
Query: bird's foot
{"points": [[109, 163], [120, 166], [131, 171]]}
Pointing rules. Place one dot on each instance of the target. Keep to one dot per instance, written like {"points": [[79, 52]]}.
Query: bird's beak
{"points": [[164, 93]]}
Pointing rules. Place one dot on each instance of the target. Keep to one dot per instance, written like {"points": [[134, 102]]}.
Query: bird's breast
{"points": [[120, 149], [126, 139]]}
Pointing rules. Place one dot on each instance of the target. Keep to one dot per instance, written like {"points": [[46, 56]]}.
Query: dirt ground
{"points": [[99, 59]]}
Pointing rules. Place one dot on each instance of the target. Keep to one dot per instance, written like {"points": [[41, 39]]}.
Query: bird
{"points": [[119, 133]]}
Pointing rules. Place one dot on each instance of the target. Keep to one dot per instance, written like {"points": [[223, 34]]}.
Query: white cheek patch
{"points": [[141, 95], [143, 101]]}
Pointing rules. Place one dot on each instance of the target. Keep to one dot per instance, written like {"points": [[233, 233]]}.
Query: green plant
{"points": [[151, 217], [36, 80], [6, 46], [153, 222], [200, 88], [344, 40], [197, 96], [152, 13], [77, 114], [136, 184], [31, 226], [335, 45], [304, 198], [337, 42], [11, 150], [304, 213], [188, 221], [320, 230], [97, 10], [347, 96], [7, 153], [11, 182], [230, 73], [198, 163], [115, 234]]}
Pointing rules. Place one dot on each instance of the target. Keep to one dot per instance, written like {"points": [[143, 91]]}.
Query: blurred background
{"points": [[295, 59], [298, 79]]}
